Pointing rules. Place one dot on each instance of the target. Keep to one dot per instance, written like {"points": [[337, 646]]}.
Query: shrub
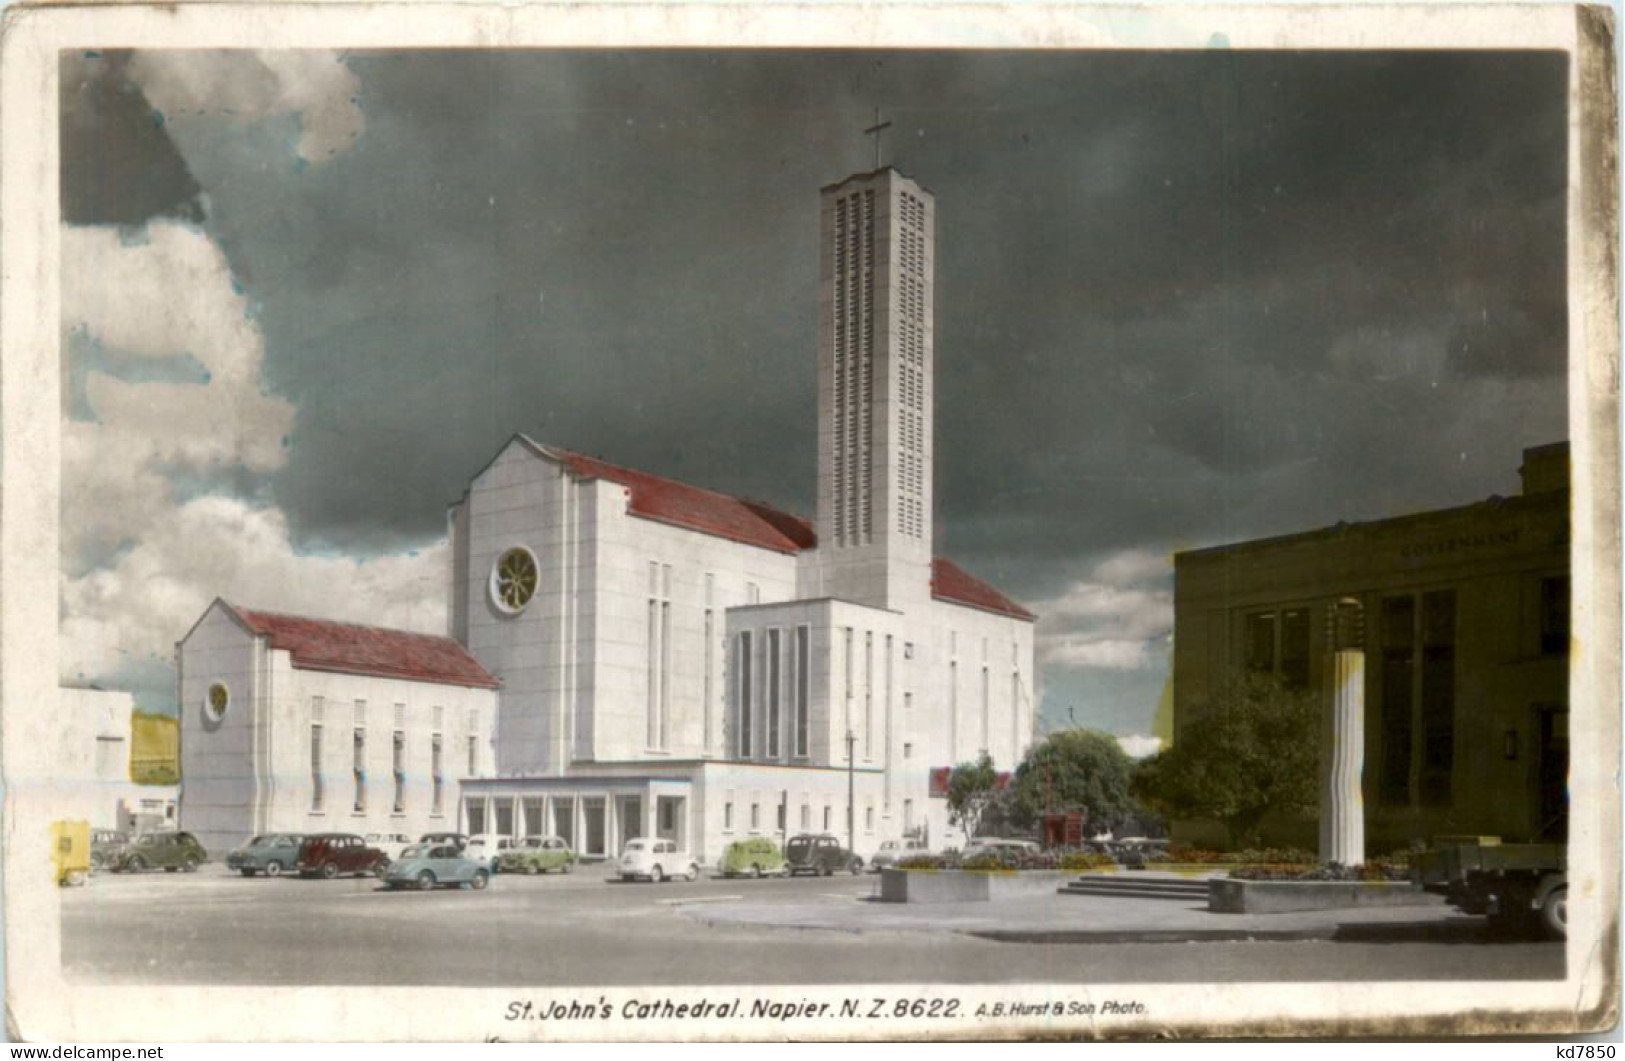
{"points": [[925, 862], [1075, 861], [984, 862], [1322, 871], [1184, 853]]}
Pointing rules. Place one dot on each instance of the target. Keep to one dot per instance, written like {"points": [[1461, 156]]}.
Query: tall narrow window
{"points": [[708, 693], [1295, 648], [868, 693], [659, 650], [358, 768], [398, 764], [1398, 634], [1261, 642], [473, 755], [771, 698], [1554, 616], [887, 733], [803, 690], [1438, 706], [318, 791], [987, 719], [437, 770], [745, 706], [953, 711]]}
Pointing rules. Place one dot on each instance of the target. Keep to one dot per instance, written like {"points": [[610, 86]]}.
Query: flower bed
{"points": [[1375, 870], [1071, 860]]}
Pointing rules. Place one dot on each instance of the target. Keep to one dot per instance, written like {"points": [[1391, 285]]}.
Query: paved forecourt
{"points": [[219, 928]]}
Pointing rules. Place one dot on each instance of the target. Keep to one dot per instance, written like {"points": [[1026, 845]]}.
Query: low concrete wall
{"points": [[966, 886], [1228, 896]]}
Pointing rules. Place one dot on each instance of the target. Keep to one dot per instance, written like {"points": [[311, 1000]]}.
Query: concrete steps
{"points": [[1135, 887]]}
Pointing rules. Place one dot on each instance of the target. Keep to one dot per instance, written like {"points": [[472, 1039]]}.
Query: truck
{"points": [[1518, 887]]}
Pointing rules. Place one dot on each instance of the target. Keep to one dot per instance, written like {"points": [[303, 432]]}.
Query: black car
{"points": [[819, 853]]}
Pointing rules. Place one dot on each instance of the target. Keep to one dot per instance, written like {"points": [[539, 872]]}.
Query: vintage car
{"points": [[272, 854], [892, 851], [655, 860], [997, 847], [537, 854], [391, 844], [457, 840], [329, 854], [756, 856], [820, 853], [105, 846], [488, 848], [171, 851], [426, 866]]}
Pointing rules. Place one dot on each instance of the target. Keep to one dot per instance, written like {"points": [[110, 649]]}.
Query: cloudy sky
{"points": [[1182, 299]]}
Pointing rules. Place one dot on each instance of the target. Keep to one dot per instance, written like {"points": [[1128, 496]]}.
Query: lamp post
{"points": [[851, 792]]}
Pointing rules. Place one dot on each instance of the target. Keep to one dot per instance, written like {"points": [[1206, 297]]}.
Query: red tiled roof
{"points": [[755, 523], [317, 644], [653, 497], [950, 582]]}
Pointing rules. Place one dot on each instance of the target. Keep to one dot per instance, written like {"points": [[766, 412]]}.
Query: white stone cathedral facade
{"points": [[678, 662]]}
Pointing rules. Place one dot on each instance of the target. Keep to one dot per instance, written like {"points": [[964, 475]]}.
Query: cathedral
{"points": [[632, 656]]}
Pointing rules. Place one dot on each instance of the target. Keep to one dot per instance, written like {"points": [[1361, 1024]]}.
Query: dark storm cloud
{"points": [[118, 165], [1182, 298]]}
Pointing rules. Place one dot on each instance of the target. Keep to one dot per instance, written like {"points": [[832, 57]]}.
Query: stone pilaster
{"points": [[1342, 744]]}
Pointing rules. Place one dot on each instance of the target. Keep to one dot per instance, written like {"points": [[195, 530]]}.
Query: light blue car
{"points": [[423, 866]]}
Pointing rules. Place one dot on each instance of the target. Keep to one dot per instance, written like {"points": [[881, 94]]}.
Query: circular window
{"points": [[514, 580], [218, 699]]}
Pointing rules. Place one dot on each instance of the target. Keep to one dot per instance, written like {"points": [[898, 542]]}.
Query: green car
{"points": [[171, 851], [756, 857], [537, 854]]}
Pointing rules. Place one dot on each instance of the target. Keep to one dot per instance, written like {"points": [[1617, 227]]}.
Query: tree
{"points": [[1251, 750], [972, 788], [1074, 770]]}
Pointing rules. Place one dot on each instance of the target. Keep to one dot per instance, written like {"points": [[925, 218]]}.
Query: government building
{"points": [[1466, 646], [632, 656]]}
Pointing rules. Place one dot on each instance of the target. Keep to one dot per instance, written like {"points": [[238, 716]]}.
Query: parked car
{"points": [[891, 851], [997, 847], [756, 856], [171, 851], [105, 846], [656, 860], [537, 854], [820, 853], [272, 854], [488, 848], [457, 840], [329, 854], [425, 866], [391, 844]]}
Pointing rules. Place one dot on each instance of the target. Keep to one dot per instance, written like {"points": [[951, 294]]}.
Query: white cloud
{"points": [[1118, 617], [142, 602], [315, 85], [142, 562], [1138, 745]]}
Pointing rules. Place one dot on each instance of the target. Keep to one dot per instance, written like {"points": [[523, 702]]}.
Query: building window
{"points": [[827, 816], [475, 809], [869, 818], [986, 715], [1438, 699], [1277, 642], [744, 697], [806, 817], [398, 764], [868, 692], [358, 768], [908, 815], [659, 663], [710, 666], [908, 650], [755, 815], [473, 755], [908, 750], [772, 669], [784, 816], [803, 687], [1554, 616], [318, 794], [728, 815], [436, 768], [1418, 685]]}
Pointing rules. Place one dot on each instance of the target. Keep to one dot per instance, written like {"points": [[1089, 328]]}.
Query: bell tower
{"points": [[875, 389]]}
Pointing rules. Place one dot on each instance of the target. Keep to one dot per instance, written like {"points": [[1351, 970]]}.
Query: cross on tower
{"points": [[875, 130]]}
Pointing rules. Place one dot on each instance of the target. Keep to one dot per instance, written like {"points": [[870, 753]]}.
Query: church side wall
{"points": [[219, 787], [344, 705], [656, 584]]}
